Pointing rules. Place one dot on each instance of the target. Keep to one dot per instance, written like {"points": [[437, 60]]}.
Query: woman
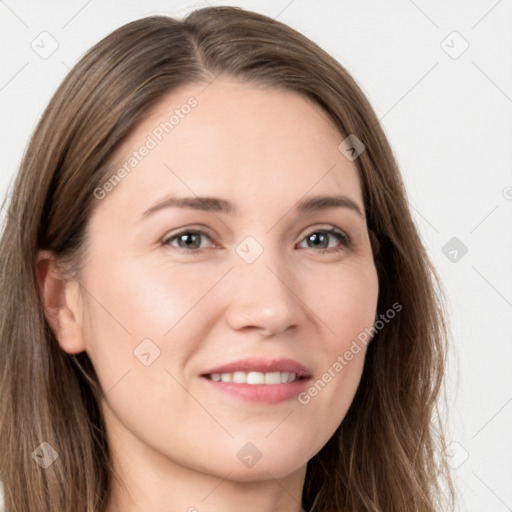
{"points": [[226, 304]]}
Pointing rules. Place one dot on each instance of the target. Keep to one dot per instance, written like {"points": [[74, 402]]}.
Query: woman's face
{"points": [[174, 292]]}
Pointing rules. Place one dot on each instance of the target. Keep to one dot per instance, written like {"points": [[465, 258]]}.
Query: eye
{"points": [[189, 239], [321, 239]]}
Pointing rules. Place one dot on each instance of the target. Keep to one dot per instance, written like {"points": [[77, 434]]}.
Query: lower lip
{"points": [[265, 393]]}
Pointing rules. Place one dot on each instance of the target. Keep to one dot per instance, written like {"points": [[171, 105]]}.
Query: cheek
{"points": [[347, 311], [131, 302], [140, 332], [349, 303]]}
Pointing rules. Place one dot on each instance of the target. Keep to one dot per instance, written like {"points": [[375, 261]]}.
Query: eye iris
{"points": [[321, 237], [187, 237]]}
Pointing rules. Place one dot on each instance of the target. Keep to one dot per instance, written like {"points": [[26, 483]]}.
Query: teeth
{"points": [[255, 377], [271, 378]]}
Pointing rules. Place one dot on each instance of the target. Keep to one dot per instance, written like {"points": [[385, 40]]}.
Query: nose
{"points": [[263, 297]]}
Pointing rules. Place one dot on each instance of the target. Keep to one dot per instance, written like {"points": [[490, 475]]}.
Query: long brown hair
{"points": [[388, 454]]}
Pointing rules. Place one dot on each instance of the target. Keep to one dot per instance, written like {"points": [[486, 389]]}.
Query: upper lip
{"points": [[263, 365]]}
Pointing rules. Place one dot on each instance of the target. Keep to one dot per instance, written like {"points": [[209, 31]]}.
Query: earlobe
{"points": [[59, 296]]}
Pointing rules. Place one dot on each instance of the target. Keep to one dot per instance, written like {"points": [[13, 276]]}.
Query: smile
{"points": [[254, 377]]}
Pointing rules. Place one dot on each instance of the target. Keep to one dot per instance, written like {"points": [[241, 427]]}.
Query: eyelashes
{"points": [[191, 238]]}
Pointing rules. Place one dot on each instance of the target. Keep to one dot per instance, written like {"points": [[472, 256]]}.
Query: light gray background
{"points": [[448, 117]]}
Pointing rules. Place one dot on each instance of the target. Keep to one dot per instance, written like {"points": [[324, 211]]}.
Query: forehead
{"points": [[237, 139]]}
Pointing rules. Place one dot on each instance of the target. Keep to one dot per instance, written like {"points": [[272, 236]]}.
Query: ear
{"points": [[60, 295]]}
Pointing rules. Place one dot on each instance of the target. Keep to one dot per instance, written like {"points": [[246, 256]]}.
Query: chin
{"points": [[273, 463], [264, 471]]}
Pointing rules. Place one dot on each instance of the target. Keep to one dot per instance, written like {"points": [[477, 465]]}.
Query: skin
{"points": [[174, 440]]}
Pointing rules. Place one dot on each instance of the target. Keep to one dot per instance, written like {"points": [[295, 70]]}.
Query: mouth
{"points": [[259, 380], [255, 378]]}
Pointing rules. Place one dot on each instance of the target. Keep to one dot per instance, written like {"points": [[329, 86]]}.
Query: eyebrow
{"points": [[218, 205]]}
